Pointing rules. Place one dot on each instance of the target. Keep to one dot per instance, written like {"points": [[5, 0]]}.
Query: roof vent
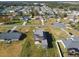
{"points": [[71, 38]]}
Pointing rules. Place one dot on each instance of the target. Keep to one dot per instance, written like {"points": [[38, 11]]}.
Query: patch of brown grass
{"points": [[10, 50]]}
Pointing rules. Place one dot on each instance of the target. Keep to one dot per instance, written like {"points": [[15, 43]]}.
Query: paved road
{"points": [[24, 23]]}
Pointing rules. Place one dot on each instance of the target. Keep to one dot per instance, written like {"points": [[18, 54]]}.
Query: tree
{"points": [[65, 14], [60, 7]]}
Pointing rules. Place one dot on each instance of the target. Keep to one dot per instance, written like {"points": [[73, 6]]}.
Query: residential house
{"points": [[10, 36], [39, 38], [72, 45]]}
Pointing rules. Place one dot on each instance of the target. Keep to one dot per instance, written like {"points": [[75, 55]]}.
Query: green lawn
{"points": [[17, 22]]}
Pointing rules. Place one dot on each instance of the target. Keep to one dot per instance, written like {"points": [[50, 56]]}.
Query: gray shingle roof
{"points": [[10, 35], [39, 36], [38, 32], [44, 43], [72, 43]]}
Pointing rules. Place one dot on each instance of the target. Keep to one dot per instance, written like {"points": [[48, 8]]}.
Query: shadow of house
{"points": [[48, 36], [22, 36]]}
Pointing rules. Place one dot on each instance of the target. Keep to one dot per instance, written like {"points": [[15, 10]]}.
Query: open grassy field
{"points": [[4, 29], [73, 31], [57, 32], [34, 22]]}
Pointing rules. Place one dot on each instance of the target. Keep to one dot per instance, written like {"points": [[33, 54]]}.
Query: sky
{"points": [[39, 0]]}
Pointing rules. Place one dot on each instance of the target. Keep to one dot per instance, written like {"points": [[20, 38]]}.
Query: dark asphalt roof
{"points": [[10, 35], [59, 25]]}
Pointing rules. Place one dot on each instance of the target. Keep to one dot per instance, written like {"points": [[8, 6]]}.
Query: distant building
{"points": [[73, 16], [25, 18], [41, 18]]}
